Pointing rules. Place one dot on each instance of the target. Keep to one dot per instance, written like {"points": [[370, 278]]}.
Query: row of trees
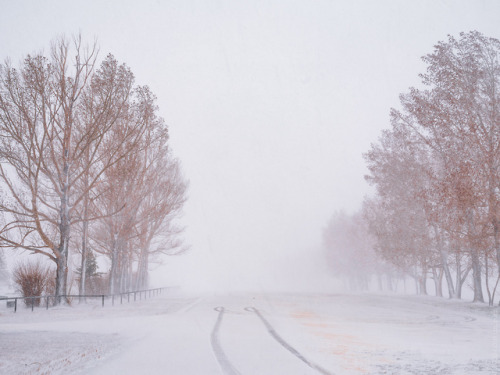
{"points": [[350, 252], [85, 165], [437, 171], [351, 255]]}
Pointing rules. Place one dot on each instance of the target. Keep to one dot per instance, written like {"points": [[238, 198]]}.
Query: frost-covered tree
{"points": [[138, 199], [454, 121], [64, 123]]}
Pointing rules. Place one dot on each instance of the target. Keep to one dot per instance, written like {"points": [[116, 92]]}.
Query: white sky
{"points": [[270, 106]]}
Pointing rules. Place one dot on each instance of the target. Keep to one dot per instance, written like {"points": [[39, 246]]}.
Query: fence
{"points": [[12, 301]]}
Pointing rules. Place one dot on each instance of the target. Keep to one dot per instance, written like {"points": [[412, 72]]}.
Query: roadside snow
{"points": [[340, 334]]}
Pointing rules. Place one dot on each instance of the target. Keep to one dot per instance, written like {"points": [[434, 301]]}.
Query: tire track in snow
{"points": [[225, 365], [286, 345]]}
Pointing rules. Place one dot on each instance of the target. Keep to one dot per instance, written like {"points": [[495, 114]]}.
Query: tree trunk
{"points": [[486, 279], [62, 259], [496, 242], [438, 281], [446, 268], [458, 279], [474, 256], [61, 278], [476, 277], [423, 283], [85, 218], [447, 275], [83, 275], [114, 266], [142, 267]]}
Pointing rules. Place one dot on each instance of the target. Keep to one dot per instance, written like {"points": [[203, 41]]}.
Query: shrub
{"points": [[32, 280]]}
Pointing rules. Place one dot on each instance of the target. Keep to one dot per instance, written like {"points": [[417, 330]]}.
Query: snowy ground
{"points": [[255, 334]]}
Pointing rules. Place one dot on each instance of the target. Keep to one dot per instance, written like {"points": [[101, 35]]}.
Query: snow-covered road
{"points": [[256, 334]]}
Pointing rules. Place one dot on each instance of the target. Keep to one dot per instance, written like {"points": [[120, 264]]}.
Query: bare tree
{"points": [[157, 232], [455, 123], [139, 198], [107, 102], [55, 116]]}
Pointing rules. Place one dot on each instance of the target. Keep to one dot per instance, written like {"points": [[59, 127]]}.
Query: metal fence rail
{"points": [[146, 293]]}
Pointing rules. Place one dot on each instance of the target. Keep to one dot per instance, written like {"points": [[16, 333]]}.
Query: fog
{"points": [[270, 105]]}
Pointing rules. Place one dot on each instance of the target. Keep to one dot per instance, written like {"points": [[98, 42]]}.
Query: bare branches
{"points": [[65, 130], [79, 145], [440, 160], [148, 181]]}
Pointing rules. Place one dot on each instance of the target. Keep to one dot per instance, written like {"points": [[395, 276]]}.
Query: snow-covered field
{"points": [[255, 334]]}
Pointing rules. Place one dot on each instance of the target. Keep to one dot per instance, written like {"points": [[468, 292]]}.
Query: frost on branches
{"points": [[436, 171], [83, 154]]}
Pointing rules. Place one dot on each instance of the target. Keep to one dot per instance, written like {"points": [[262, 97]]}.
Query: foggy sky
{"points": [[270, 105]]}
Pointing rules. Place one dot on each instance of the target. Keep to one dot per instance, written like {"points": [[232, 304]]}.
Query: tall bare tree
{"points": [[455, 120], [147, 191], [458, 118], [56, 114], [156, 229]]}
